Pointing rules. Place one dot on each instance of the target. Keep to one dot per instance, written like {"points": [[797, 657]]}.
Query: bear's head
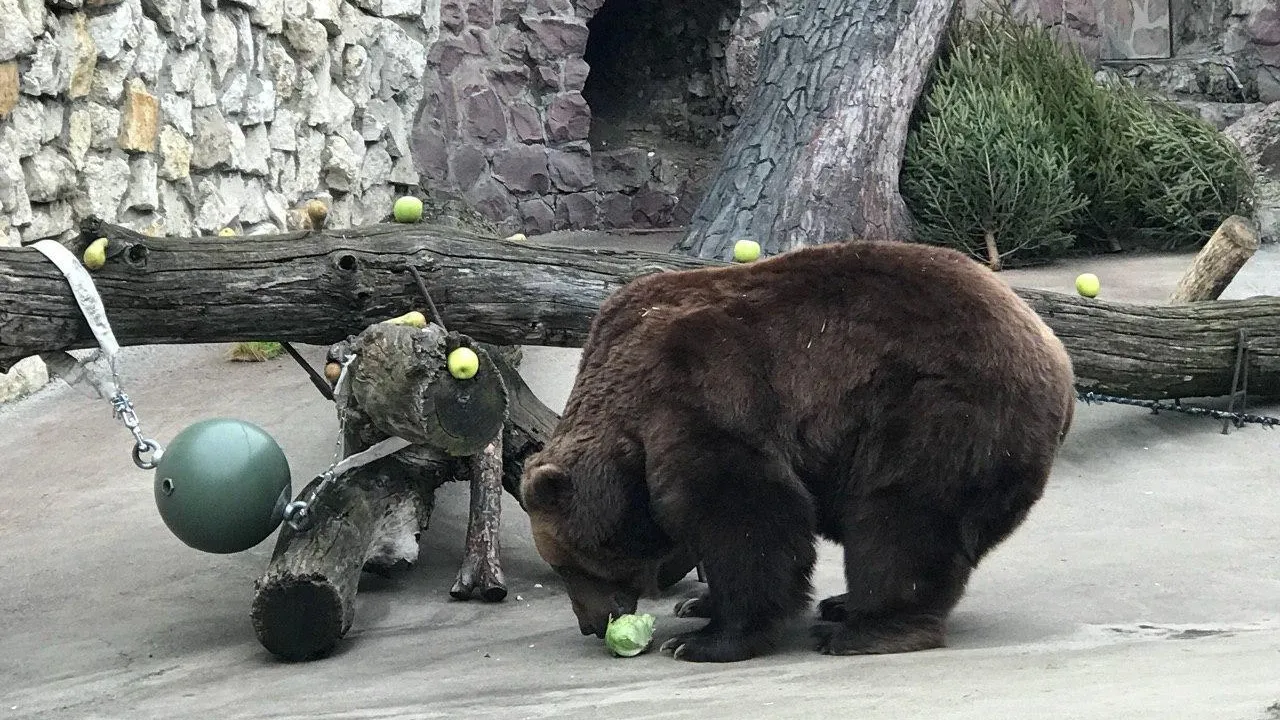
{"points": [[601, 539]]}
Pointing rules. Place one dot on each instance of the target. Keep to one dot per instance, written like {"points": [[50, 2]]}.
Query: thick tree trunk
{"points": [[817, 153], [295, 288]]}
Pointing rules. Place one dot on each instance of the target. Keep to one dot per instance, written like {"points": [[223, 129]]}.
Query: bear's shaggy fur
{"points": [[896, 398]]}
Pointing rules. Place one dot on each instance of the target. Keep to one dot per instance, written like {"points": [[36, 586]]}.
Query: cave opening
{"points": [[657, 76]]}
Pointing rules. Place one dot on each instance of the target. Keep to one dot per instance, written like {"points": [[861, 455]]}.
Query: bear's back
{"points": [[905, 342]]}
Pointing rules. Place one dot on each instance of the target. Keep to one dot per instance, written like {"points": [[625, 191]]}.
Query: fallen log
{"points": [[323, 286]]}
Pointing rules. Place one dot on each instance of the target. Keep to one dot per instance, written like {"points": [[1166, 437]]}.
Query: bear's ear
{"points": [[545, 487]]}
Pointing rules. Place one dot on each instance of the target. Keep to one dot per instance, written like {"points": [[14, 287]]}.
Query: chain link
{"points": [[125, 413], [1157, 406]]}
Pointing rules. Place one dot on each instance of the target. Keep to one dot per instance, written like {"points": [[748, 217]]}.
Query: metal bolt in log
{"points": [[1217, 263]]}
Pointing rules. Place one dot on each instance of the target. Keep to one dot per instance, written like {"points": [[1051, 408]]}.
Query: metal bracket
{"points": [[1239, 382]]}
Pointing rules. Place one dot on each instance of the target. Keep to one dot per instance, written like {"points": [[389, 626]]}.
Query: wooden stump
{"points": [[400, 380], [370, 517], [305, 601], [1217, 263]]}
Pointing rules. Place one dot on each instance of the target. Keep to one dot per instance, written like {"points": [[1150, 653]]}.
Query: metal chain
{"points": [[1157, 406], [125, 413], [72, 370], [298, 513]]}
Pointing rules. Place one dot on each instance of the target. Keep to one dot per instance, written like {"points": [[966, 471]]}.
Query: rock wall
{"points": [[182, 116], [187, 116], [1225, 51], [506, 124]]}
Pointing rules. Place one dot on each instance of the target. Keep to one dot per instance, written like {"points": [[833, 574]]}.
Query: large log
{"points": [[315, 288], [319, 288], [369, 517]]}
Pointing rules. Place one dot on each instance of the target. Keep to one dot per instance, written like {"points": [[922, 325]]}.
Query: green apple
{"points": [[745, 251], [1088, 285], [226, 232], [408, 209], [464, 363]]}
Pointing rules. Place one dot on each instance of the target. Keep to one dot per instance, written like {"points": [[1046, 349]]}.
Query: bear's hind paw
{"points": [[833, 609], [880, 636]]}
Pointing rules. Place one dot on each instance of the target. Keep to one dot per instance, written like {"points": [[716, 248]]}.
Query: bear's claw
{"points": [[694, 607]]}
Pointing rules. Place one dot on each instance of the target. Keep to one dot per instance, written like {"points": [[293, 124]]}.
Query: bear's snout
{"points": [[593, 618]]}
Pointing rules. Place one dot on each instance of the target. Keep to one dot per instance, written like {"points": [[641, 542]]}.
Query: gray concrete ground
{"points": [[1144, 585]]}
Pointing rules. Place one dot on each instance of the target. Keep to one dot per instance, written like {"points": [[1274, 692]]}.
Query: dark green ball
{"points": [[222, 485]]}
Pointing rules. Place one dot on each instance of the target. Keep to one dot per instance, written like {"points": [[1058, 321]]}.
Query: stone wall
{"points": [[187, 116], [507, 126], [1225, 51]]}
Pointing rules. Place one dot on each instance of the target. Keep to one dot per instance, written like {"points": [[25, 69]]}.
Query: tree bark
{"points": [[481, 571], [191, 291], [1217, 263], [816, 155]]}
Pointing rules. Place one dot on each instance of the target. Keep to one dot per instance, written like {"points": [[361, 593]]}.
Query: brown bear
{"points": [[896, 398]]}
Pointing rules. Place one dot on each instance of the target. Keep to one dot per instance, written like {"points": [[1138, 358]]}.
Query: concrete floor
{"points": [[1144, 585]]}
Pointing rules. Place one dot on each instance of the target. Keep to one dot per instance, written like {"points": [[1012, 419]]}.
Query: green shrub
{"points": [[990, 178], [1139, 170], [1194, 178]]}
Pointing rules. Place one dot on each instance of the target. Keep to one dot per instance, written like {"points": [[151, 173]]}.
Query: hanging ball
{"points": [[222, 485]]}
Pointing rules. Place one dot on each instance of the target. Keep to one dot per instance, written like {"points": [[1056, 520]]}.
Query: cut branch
{"points": [[1217, 263], [321, 287], [305, 601]]}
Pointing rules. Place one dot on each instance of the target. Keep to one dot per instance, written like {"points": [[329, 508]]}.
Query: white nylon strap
{"points": [[86, 295], [390, 446]]}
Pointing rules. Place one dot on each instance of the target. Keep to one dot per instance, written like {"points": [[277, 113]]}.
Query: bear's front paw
{"points": [[708, 645], [698, 606]]}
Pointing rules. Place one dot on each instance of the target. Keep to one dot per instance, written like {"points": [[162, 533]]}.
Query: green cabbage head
{"points": [[629, 635]]}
